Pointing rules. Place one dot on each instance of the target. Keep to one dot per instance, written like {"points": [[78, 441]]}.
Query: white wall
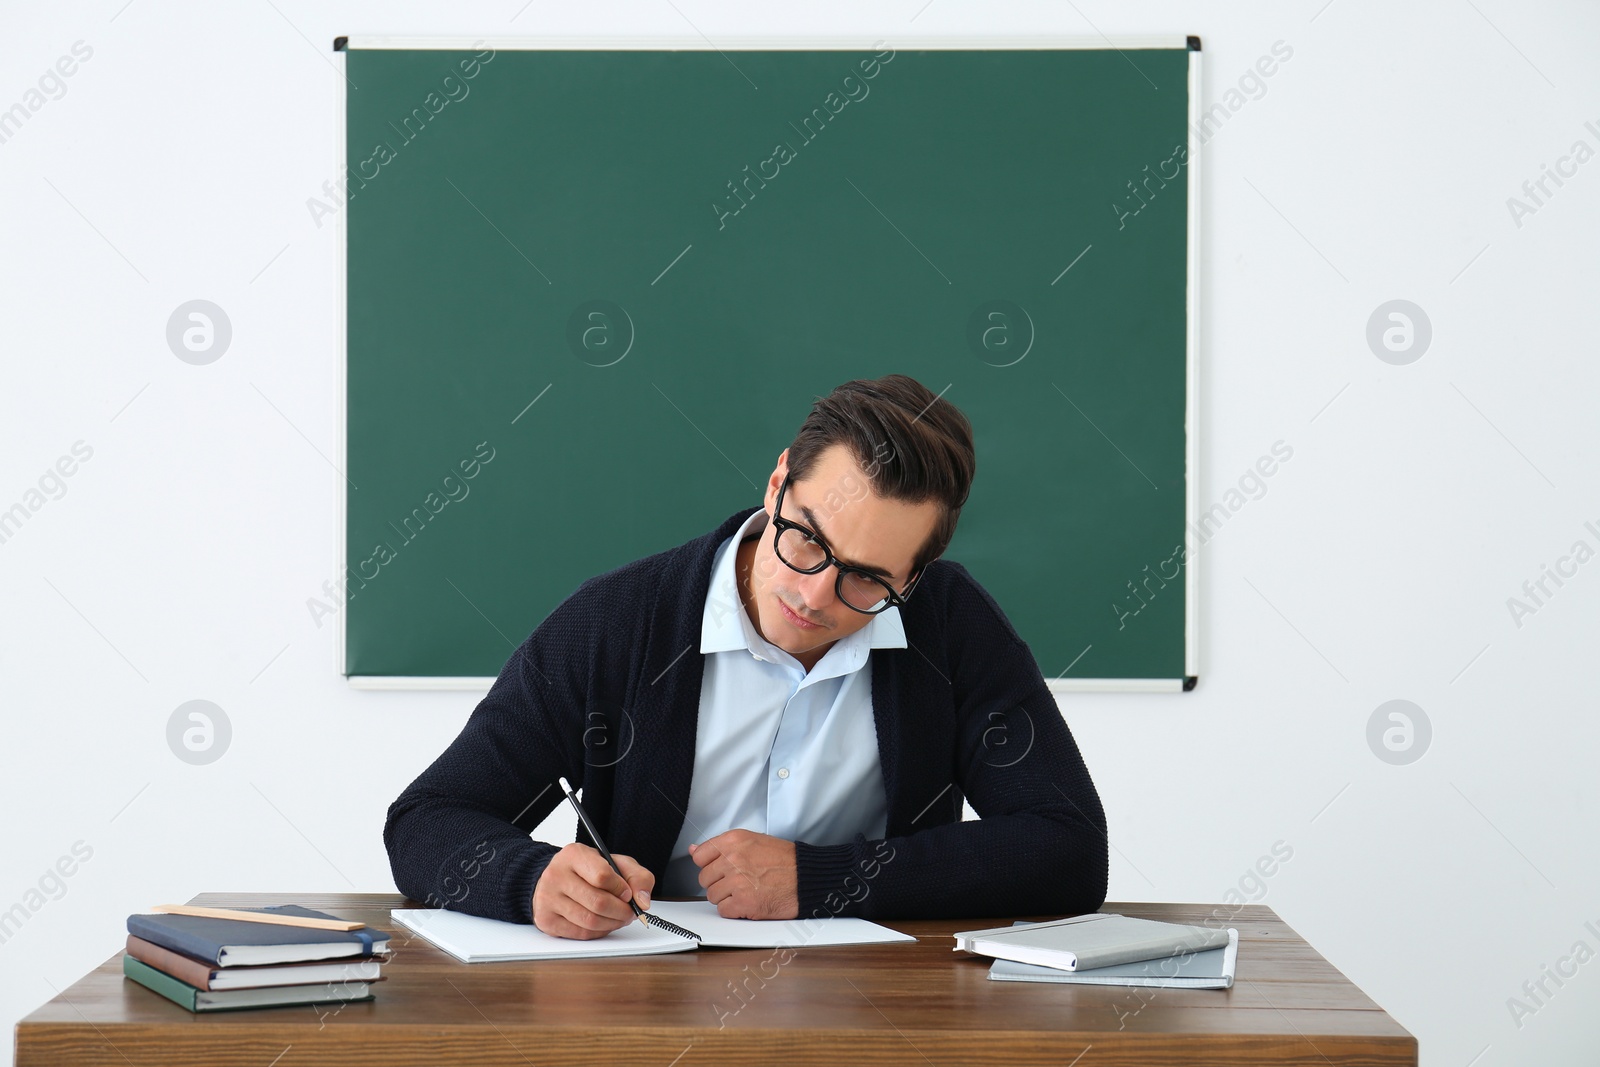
{"points": [[1376, 165]]}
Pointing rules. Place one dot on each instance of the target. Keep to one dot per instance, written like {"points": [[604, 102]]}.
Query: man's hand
{"points": [[580, 896], [749, 875]]}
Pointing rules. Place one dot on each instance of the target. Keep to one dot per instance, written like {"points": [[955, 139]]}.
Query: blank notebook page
{"points": [[701, 917], [473, 939]]}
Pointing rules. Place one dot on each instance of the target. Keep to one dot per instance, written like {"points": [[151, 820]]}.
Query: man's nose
{"points": [[817, 590]]}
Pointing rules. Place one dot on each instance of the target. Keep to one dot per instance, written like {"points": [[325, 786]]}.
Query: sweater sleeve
{"points": [[458, 836], [1039, 846]]}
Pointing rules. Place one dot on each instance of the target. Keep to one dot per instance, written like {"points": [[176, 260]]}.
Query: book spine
{"points": [[197, 973], [179, 993], [1155, 948], [178, 941]]}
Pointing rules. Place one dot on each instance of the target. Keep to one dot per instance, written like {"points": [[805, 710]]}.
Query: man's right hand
{"points": [[580, 896]]}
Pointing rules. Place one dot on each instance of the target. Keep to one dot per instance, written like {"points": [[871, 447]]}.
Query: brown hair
{"points": [[912, 445]]}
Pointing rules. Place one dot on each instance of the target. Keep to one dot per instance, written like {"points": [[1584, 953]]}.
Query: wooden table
{"points": [[900, 1003]]}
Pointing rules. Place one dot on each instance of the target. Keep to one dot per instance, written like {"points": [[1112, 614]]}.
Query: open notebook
{"points": [[472, 939]]}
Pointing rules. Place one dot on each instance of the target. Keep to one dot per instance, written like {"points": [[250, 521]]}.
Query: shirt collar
{"points": [[724, 626]]}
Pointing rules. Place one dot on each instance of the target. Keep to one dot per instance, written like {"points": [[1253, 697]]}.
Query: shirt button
{"points": [[783, 772]]}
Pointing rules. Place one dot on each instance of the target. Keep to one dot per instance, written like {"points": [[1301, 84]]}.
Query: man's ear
{"points": [[775, 482]]}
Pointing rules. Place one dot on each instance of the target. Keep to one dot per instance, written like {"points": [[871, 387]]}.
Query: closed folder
{"points": [[1089, 941]]}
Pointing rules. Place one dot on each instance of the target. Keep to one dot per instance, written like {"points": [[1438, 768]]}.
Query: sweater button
{"points": [[783, 772]]}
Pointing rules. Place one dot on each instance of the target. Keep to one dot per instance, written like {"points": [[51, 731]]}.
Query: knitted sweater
{"points": [[606, 691]]}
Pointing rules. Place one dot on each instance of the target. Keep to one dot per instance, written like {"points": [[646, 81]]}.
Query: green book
{"points": [[186, 995]]}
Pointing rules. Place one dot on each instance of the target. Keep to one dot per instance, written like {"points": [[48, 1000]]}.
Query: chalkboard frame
{"points": [[1194, 168]]}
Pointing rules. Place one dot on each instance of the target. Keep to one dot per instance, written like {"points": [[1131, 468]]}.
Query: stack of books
{"points": [[1106, 949], [291, 955]]}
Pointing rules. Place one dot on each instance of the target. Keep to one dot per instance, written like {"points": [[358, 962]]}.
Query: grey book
{"points": [[1086, 942], [1210, 968]]}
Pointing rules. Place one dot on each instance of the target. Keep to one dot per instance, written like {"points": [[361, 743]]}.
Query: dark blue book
{"points": [[237, 942]]}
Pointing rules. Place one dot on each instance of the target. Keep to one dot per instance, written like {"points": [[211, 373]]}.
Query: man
{"points": [[783, 715]]}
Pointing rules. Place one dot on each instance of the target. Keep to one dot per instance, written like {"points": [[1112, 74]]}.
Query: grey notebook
{"points": [[1210, 968], [1084, 942]]}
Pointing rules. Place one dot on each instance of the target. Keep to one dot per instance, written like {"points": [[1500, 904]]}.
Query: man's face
{"points": [[800, 612]]}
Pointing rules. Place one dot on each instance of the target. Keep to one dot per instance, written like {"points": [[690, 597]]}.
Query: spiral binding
{"points": [[671, 928]]}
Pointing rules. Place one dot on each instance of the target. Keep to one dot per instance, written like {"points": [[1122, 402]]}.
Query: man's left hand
{"points": [[749, 875]]}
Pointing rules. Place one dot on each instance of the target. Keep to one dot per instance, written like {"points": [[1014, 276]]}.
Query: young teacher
{"points": [[783, 716]]}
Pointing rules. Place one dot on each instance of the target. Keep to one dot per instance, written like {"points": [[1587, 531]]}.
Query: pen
{"points": [[600, 845]]}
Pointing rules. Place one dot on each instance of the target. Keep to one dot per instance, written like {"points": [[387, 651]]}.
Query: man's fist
{"points": [[749, 875], [580, 896]]}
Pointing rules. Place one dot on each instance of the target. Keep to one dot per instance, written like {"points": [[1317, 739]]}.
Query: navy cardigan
{"points": [[606, 691]]}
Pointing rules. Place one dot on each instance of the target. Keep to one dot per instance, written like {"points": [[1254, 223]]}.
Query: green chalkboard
{"points": [[608, 284]]}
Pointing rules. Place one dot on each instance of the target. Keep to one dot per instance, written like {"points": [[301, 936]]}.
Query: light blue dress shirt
{"points": [[780, 750]]}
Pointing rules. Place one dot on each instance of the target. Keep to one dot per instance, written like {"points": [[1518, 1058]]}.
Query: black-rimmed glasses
{"points": [[802, 550]]}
